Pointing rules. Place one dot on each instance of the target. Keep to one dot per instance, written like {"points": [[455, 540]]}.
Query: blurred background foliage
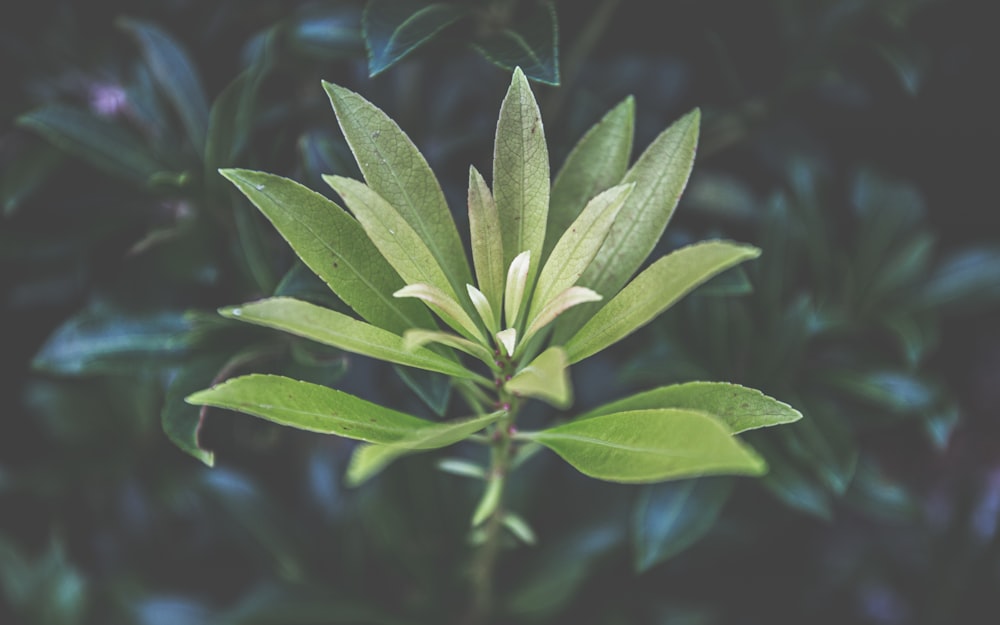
{"points": [[844, 137]]}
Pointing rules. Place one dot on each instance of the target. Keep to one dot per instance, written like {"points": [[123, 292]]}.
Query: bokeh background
{"points": [[853, 140]]}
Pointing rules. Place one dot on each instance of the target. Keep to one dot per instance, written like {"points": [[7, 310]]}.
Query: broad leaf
{"points": [[597, 162], [670, 517], [101, 143], [176, 76], [394, 28], [521, 174], [650, 446], [660, 176], [334, 246], [333, 328], [395, 170], [653, 291], [312, 407], [578, 246], [737, 407], [487, 242], [545, 378], [368, 460], [398, 242], [532, 44]]}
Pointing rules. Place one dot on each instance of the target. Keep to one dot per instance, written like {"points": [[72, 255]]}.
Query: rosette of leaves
{"points": [[551, 284]]}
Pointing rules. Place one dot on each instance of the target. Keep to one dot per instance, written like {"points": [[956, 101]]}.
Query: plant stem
{"points": [[484, 564]]}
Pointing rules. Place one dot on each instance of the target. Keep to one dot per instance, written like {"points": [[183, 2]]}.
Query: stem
{"points": [[484, 564]]}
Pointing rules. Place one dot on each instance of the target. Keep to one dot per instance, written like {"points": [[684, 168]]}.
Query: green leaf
{"points": [[417, 338], [737, 407], [660, 176], [314, 408], [181, 421], [670, 517], [487, 242], [491, 319], [653, 291], [545, 378], [394, 28], [445, 306], [395, 170], [399, 243], [368, 460], [573, 296], [176, 75], [333, 328], [578, 246], [597, 162], [650, 446], [109, 341], [489, 502], [967, 280], [434, 389], [335, 247], [101, 143], [532, 44], [521, 174]]}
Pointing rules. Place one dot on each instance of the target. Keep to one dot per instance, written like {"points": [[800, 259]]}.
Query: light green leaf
{"points": [[508, 338], [486, 312], [489, 501], [545, 378], [578, 246], [335, 247], [314, 408], [572, 296], [521, 174], [517, 283], [398, 242], [487, 241], [416, 338], [660, 176], [333, 328], [739, 408], [446, 307], [368, 460], [462, 468], [176, 75], [105, 145], [597, 162], [519, 528], [393, 28], [395, 170], [650, 446], [653, 291]]}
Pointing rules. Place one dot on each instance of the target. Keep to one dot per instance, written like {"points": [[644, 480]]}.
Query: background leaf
{"points": [[532, 44], [394, 28]]}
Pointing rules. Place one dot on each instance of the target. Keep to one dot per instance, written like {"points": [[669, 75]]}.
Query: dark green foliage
{"points": [[842, 138]]}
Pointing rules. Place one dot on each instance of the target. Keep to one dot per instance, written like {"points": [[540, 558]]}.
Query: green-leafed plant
{"points": [[539, 250]]}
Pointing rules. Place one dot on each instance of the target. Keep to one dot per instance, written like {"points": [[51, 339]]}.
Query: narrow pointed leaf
{"points": [[670, 517], [578, 246], [569, 298], [394, 28], [314, 408], [417, 338], [650, 446], [333, 328], [517, 282], [660, 175], [445, 306], [545, 378], [489, 315], [521, 174], [462, 468], [398, 242], [519, 528], [434, 389], [101, 143], [597, 162], [334, 246], [395, 170], [653, 291], [489, 501], [176, 74], [531, 44], [487, 240], [368, 460], [738, 407]]}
